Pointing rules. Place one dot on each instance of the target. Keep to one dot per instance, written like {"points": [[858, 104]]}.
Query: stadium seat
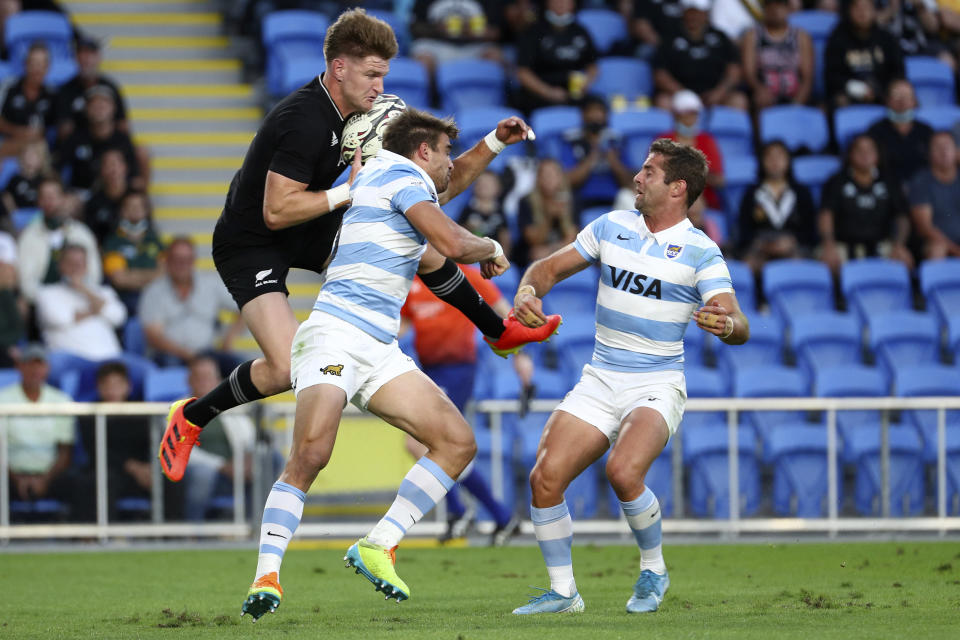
{"points": [[739, 173], [26, 27], [474, 123], [61, 70], [579, 292], [903, 338], [732, 130], [640, 127], [705, 383], [771, 381], [819, 24], [694, 346], [906, 471], [940, 117], [797, 126], [765, 346], [932, 80], [23, 217], [455, 206], [470, 83], [826, 339], [133, 339], [814, 171], [550, 124], [799, 454], [940, 283], [590, 214], [401, 29], [408, 79], [793, 287], [605, 27], [622, 80], [706, 457], [744, 284], [876, 285], [9, 377], [67, 369], [659, 478], [846, 380], [291, 37], [166, 385], [855, 119], [295, 72], [931, 380]]}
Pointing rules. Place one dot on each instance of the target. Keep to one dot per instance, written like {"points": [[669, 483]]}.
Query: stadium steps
{"points": [[182, 79]]}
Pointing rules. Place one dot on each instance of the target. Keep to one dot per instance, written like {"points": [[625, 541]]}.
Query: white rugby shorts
{"points": [[604, 398], [328, 350]]}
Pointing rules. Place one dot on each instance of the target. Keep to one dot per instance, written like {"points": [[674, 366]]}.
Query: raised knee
{"points": [[622, 477], [312, 454], [546, 482]]}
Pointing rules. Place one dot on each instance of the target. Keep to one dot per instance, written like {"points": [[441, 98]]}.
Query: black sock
{"points": [[234, 390], [450, 285]]}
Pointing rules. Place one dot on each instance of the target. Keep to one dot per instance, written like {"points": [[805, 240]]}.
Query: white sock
{"points": [[281, 517], [643, 516], [424, 485]]}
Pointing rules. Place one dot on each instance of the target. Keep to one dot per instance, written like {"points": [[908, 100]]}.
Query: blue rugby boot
{"points": [[648, 592], [551, 602]]}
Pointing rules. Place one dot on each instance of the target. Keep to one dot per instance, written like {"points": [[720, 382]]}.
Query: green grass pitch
{"points": [[811, 591]]}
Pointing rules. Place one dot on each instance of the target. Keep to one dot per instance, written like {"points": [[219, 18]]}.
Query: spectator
{"points": [[71, 106], [81, 152], [597, 164], [861, 58], [555, 59], [651, 22], [21, 191], [483, 215], [915, 24], [28, 107], [40, 447], [210, 470], [102, 210], [686, 108], [129, 447], [43, 238], [903, 140], [11, 313], [863, 212], [448, 31], [131, 254], [545, 215], [777, 58], [180, 311], [934, 198], [75, 317], [777, 215], [699, 58]]}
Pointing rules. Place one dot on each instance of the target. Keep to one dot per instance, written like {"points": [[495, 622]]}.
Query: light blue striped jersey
{"points": [[379, 250], [650, 285]]}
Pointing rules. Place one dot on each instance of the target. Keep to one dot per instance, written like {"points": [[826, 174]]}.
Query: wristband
{"points": [[493, 142], [729, 332], [527, 288], [338, 195], [497, 250]]}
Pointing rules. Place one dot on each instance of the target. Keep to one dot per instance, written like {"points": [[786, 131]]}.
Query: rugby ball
{"points": [[364, 131]]}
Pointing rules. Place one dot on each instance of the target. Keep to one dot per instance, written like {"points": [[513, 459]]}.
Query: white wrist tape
{"points": [[497, 249], [493, 142], [338, 195], [527, 288]]}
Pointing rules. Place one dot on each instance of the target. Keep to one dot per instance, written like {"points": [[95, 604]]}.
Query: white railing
{"points": [[242, 527]]}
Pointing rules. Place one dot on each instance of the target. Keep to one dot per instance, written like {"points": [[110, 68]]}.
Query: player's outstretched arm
{"points": [[540, 278], [722, 317], [471, 163], [452, 240], [287, 202]]}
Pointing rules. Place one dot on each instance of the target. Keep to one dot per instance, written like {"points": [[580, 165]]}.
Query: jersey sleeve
{"points": [[588, 240], [410, 190], [712, 276], [297, 150]]}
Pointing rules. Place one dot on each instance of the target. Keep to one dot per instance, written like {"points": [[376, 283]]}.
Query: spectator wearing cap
{"points": [[699, 58], [39, 447], [131, 254], [778, 63], [72, 95], [77, 318], [28, 107], [11, 311], [43, 238], [861, 59], [687, 109], [903, 140], [595, 166], [934, 198]]}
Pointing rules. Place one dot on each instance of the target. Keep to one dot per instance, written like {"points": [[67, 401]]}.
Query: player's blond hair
{"points": [[358, 35]]}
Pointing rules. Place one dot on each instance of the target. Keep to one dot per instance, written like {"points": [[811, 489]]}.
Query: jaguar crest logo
{"points": [[332, 369], [673, 250]]}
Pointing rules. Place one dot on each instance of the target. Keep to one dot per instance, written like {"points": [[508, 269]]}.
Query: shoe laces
{"points": [[546, 596], [392, 554], [644, 586]]}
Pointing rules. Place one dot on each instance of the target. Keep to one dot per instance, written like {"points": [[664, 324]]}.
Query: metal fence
{"points": [[244, 525]]}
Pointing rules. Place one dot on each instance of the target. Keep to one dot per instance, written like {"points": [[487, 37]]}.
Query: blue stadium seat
{"points": [[640, 127], [579, 291], [659, 478], [932, 80], [401, 29], [705, 455], [739, 173], [799, 454], [814, 171], [290, 37], [66, 370], [770, 381], [166, 385], [133, 339], [855, 119], [550, 123], [590, 214], [456, 205], [61, 70], [940, 283], [906, 471], [732, 130], [622, 78], [797, 286], [705, 383], [903, 338], [944, 116], [819, 24], [408, 78], [765, 346], [475, 123], [9, 377], [797, 126], [953, 337], [931, 380], [846, 380], [293, 73], [23, 217], [578, 326], [26, 27], [826, 339], [605, 27], [876, 285], [694, 349], [744, 284], [470, 83]]}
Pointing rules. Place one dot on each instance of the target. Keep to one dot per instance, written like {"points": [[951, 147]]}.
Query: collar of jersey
{"points": [[329, 97], [675, 233], [390, 156]]}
